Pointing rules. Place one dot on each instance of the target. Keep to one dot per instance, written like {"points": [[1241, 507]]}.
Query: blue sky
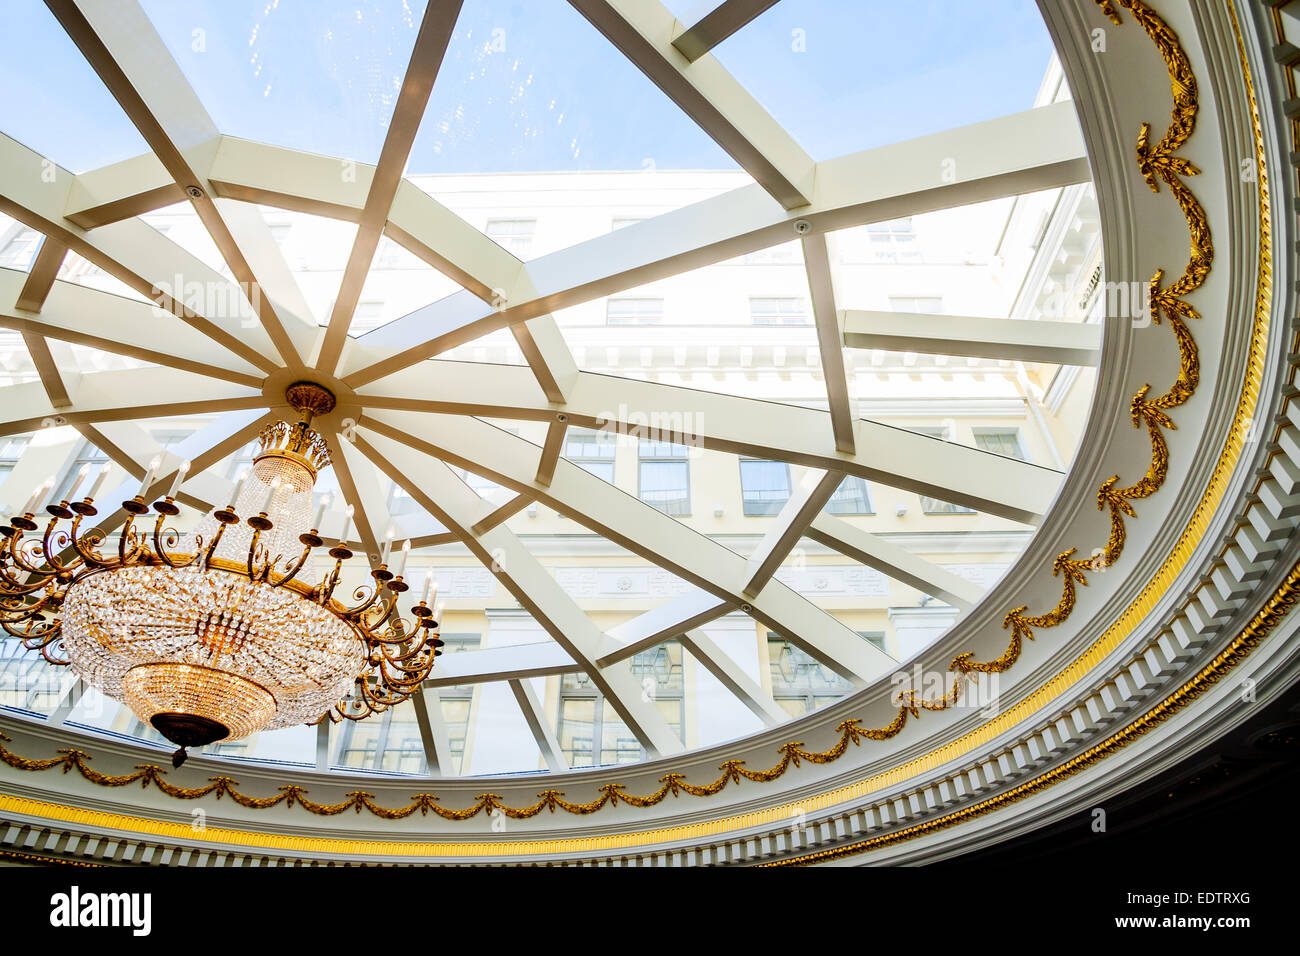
{"points": [[529, 84]]}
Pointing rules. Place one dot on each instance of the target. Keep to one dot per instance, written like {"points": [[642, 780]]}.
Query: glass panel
{"points": [[526, 87], [765, 486], [577, 730], [634, 311], [976, 67], [779, 311], [852, 497], [321, 77], [665, 483], [54, 102], [1001, 443]]}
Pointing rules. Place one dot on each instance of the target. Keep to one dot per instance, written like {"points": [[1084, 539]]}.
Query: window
{"points": [[852, 497], [925, 304], [592, 451], [279, 231], [764, 486], [19, 251], [26, 681], [665, 478], [634, 312], [11, 450], [369, 314], [242, 460], [893, 241], [513, 235], [801, 683], [391, 742], [934, 506], [1001, 442], [783, 311], [590, 731], [456, 702], [875, 638], [88, 455]]}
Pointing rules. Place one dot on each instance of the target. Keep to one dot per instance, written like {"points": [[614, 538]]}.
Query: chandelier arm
{"points": [[85, 546], [171, 535], [355, 613], [49, 539], [212, 547], [16, 555], [129, 544], [29, 611], [45, 652], [293, 571]]}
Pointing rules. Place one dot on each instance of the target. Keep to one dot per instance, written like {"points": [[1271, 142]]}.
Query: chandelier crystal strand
{"points": [[213, 635]]}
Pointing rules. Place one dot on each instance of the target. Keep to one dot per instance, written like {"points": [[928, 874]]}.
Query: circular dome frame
{"points": [[1136, 650]]}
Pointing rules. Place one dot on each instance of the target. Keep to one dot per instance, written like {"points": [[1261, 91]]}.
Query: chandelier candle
{"points": [[212, 635]]}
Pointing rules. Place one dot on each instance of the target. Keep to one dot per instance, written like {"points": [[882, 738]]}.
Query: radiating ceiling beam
{"points": [[40, 277], [117, 396], [551, 451], [662, 623], [491, 275], [733, 677], [535, 715], [817, 263], [959, 166], [121, 191], [433, 732], [127, 207], [642, 30], [51, 378], [895, 562], [1001, 486], [436, 27], [122, 326], [508, 510], [445, 496], [132, 253], [481, 665], [718, 24], [804, 504], [1022, 340], [658, 538], [158, 100]]}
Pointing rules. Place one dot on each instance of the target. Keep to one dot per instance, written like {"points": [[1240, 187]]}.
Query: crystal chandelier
{"points": [[219, 633]]}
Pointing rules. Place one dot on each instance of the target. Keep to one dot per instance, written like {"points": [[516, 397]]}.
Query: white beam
{"points": [[1023, 340], [661, 623], [433, 732], [807, 501], [818, 265], [718, 24], [426, 57], [965, 165], [928, 466], [733, 677], [442, 493], [657, 537], [539, 725], [113, 323], [896, 562], [121, 45], [130, 252], [643, 30]]}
